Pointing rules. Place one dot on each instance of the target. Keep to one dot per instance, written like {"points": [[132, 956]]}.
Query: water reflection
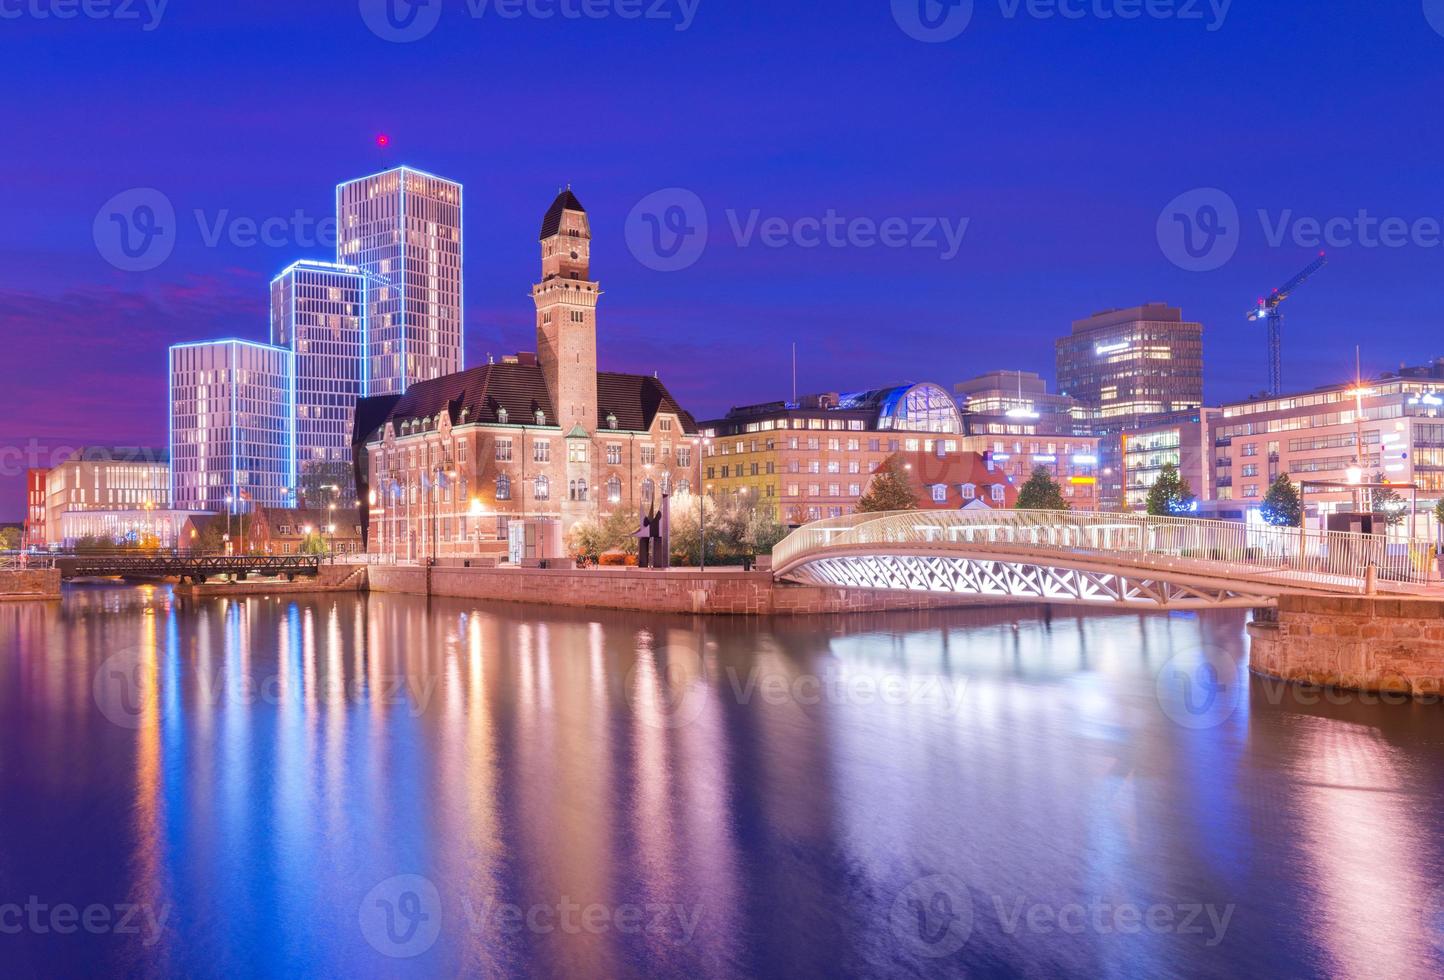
{"points": [[608, 794]]}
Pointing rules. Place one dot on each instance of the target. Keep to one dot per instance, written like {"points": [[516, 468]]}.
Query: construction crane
{"points": [[1268, 309]]}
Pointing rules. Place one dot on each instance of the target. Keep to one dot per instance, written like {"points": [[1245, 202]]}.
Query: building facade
{"points": [[449, 466], [812, 459], [1183, 440], [1315, 437], [319, 313], [232, 440], [117, 493], [1125, 367], [35, 493], [404, 227], [1013, 421]]}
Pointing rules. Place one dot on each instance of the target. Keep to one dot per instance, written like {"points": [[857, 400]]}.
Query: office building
{"points": [[232, 440], [34, 534], [1315, 436], [1183, 440], [1124, 367], [404, 227], [813, 458], [448, 467], [1011, 419], [319, 312], [118, 494]]}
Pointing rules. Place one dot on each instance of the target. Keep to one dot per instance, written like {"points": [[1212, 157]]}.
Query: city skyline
{"points": [[1053, 235]]}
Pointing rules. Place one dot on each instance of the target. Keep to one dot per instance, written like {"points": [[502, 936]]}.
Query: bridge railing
{"points": [[1329, 558]]}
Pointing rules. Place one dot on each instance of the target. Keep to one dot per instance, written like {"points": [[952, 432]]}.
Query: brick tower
{"points": [[566, 331]]}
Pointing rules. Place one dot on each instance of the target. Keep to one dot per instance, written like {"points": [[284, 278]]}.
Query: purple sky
{"points": [[1060, 141]]}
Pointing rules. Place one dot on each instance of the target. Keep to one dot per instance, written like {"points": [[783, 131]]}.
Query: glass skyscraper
{"points": [[319, 312], [404, 227], [232, 425]]}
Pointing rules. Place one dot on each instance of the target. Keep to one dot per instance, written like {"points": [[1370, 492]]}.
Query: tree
{"points": [[1439, 516], [1282, 505], [1170, 494], [1041, 492], [1389, 507], [737, 527], [592, 537], [313, 543], [9, 539], [889, 489]]}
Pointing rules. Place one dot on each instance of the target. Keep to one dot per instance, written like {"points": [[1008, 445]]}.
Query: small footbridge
{"points": [[1123, 560]]}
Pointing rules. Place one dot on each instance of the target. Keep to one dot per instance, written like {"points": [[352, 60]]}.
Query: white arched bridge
{"points": [[1127, 560]]}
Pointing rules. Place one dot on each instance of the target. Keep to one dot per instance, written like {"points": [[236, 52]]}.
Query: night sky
{"points": [[1060, 140]]}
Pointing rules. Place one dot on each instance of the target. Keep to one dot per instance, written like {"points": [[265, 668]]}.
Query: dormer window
{"points": [[611, 420], [501, 415], [541, 417]]}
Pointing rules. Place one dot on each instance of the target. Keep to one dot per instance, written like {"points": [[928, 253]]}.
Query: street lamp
{"points": [[229, 510], [700, 444]]}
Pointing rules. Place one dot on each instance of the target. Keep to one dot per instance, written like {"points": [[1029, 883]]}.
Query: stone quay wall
{"points": [[1359, 643], [722, 592], [30, 583]]}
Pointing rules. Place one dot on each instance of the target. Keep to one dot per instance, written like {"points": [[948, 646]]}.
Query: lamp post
{"points": [[700, 445], [331, 526], [230, 508]]}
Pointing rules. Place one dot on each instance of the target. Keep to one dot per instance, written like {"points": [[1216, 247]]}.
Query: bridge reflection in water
{"points": [[1128, 560]]}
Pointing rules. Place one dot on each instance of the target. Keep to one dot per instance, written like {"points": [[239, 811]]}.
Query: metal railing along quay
{"points": [[1310, 558]]}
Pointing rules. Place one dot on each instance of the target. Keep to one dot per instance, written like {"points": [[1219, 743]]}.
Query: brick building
{"points": [[813, 458], [447, 467]]}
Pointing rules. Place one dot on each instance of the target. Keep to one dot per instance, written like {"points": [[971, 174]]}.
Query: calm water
{"points": [[382, 787]]}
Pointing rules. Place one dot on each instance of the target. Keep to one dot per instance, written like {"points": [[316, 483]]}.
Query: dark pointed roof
{"points": [[520, 388], [552, 222]]}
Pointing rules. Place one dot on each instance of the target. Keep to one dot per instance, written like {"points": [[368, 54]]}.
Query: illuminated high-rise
{"points": [[232, 437], [404, 226], [319, 312]]}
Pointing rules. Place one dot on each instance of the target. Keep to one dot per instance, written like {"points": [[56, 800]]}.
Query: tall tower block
{"points": [[566, 314]]}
